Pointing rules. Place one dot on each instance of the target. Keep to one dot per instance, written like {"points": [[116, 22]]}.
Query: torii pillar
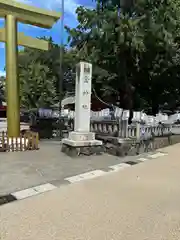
{"points": [[14, 12]]}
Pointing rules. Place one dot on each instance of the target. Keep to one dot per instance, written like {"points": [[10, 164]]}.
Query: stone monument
{"points": [[15, 12], [81, 140]]}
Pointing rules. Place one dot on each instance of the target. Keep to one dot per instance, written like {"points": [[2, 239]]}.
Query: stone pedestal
{"points": [[81, 143], [81, 140], [124, 146], [117, 146]]}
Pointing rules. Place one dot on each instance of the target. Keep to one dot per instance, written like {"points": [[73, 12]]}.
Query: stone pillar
{"points": [[123, 138], [138, 130], [83, 97], [125, 118], [81, 140]]}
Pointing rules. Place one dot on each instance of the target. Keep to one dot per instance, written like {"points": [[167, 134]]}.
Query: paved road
{"points": [[137, 203]]}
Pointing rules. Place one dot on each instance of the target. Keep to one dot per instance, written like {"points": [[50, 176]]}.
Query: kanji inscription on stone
{"points": [[83, 97], [86, 79], [85, 106], [87, 68], [85, 92]]}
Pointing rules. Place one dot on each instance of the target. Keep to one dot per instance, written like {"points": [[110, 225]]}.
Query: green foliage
{"points": [[134, 46], [37, 87], [39, 75], [2, 90], [136, 43]]}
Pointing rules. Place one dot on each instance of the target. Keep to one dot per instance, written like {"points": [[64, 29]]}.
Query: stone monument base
{"points": [[82, 143]]}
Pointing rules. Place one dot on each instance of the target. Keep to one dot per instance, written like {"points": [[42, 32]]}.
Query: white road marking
{"points": [[143, 159], [86, 176], [120, 166], [33, 191], [44, 188], [25, 193], [156, 155]]}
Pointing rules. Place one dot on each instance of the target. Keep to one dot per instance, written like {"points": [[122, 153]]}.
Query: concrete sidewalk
{"points": [[137, 203], [22, 170]]}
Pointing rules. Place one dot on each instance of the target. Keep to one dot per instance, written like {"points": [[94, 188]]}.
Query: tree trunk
{"points": [[154, 105]]}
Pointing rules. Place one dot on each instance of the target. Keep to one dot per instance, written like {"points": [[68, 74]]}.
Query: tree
{"points": [[98, 40], [160, 24], [37, 89], [135, 44], [2, 90], [39, 75]]}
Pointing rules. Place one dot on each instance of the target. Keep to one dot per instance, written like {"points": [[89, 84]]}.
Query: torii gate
{"points": [[14, 12]]}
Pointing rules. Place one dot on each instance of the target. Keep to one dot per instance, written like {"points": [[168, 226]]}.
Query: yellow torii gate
{"points": [[14, 12]]}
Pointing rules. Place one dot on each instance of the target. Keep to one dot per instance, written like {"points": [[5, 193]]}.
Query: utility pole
{"points": [[61, 76]]}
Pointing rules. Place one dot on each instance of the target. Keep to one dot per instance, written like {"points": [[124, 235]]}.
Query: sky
{"points": [[55, 5]]}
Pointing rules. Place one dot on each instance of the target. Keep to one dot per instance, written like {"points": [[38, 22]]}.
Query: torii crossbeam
{"points": [[26, 41], [14, 12]]}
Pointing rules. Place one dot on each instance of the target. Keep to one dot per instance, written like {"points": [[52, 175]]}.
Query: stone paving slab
{"points": [[140, 202]]}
